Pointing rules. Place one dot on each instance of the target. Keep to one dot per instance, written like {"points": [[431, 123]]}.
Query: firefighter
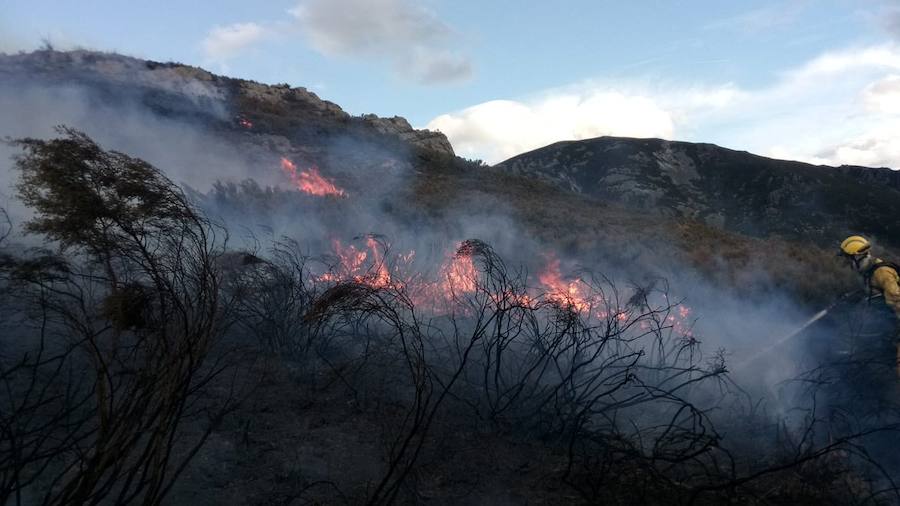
{"points": [[881, 279]]}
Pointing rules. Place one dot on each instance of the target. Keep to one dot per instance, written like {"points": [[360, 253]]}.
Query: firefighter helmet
{"points": [[855, 245]]}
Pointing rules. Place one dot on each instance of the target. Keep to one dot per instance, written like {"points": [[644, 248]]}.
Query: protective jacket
{"points": [[883, 280]]}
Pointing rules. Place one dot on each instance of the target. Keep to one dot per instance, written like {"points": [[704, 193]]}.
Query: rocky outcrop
{"points": [[399, 126], [292, 99], [182, 90]]}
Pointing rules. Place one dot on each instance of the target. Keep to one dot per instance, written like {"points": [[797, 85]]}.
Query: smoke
{"points": [[378, 181], [382, 183], [190, 152]]}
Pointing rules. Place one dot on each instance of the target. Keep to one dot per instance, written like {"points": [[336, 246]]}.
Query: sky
{"points": [[816, 81]]}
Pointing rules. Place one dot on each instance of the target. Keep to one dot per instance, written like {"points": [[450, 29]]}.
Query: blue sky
{"points": [[817, 81]]}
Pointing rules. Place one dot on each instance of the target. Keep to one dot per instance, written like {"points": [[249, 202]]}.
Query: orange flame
{"points": [[458, 277], [310, 181], [380, 277], [566, 293], [365, 265], [578, 297]]}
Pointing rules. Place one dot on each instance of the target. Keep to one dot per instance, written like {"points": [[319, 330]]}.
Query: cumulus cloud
{"points": [[844, 107], [876, 147], [836, 63], [499, 129], [410, 37], [225, 42], [841, 107], [883, 96]]}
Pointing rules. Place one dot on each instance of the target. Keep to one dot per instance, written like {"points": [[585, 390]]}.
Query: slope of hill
{"points": [[179, 90], [729, 190], [732, 190], [261, 122], [713, 209]]}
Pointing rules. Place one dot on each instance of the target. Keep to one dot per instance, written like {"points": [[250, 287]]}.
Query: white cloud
{"points": [[499, 129], [883, 96], [842, 107], [876, 146], [411, 38], [837, 63], [225, 42]]}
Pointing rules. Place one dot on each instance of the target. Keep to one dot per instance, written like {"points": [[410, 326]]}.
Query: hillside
{"points": [[731, 190], [714, 208], [212, 101]]}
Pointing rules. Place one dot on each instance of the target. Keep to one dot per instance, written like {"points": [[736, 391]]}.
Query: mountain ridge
{"points": [[725, 188], [268, 108]]}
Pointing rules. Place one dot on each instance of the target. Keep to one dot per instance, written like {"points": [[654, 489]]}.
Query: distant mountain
{"points": [[732, 190]]}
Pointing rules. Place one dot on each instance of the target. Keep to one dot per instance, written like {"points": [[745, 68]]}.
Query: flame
{"points": [[458, 277], [566, 293], [310, 181], [681, 325], [246, 123], [351, 260], [381, 278], [366, 265], [576, 296]]}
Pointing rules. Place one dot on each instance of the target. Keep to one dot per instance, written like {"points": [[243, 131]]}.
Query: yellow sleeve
{"points": [[887, 280]]}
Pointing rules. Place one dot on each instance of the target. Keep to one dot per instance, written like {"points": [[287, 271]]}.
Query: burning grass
{"points": [[310, 181], [449, 287]]}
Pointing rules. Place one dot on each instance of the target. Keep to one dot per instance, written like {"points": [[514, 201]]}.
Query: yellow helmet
{"points": [[855, 245]]}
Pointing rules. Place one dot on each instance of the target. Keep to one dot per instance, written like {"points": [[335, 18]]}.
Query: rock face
{"points": [[430, 140], [185, 91], [729, 189]]}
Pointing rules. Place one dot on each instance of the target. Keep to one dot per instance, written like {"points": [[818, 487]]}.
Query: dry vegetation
{"points": [[751, 266], [118, 386]]}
